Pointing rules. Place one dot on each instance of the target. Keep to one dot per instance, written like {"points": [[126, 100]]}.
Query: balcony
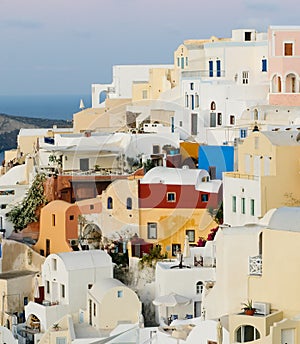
{"points": [[255, 265], [197, 74]]}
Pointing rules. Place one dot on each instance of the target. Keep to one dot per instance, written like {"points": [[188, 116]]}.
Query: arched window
{"points": [[290, 83], [129, 203], [102, 96], [246, 333], [199, 287], [109, 203], [213, 106]]}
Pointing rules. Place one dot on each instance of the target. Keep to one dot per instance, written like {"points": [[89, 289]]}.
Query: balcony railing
{"points": [[203, 74], [255, 265]]}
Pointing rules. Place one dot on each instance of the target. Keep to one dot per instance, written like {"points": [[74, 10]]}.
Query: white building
{"points": [[107, 150], [121, 86], [221, 79], [66, 279]]}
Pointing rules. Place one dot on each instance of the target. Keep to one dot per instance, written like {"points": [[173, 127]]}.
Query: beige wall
{"points": [[114, 219], [112, 117], [112, 309], [281, 266]]}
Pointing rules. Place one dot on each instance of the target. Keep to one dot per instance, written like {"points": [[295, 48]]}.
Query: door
{"points": [[197, 309], [288, 336], [194, 121], [84, 164]]}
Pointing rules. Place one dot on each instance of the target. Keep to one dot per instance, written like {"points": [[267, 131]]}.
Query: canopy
{"points": [[171, 300]]}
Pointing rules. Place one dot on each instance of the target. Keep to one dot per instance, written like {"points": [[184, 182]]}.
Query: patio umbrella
{"points": [[171, 300], [36, 293], [186, 248]]}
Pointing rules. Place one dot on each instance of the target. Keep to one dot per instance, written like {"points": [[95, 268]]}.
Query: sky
{"points": [[64, 46]]}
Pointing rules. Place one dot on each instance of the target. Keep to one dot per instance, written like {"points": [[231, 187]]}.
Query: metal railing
{"points": [[255, 265]]}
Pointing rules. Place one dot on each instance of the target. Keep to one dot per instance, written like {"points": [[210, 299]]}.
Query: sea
{"points": [[43, 106]]}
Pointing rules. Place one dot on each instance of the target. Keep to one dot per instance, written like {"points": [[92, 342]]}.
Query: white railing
{"points": [[255, 265]]}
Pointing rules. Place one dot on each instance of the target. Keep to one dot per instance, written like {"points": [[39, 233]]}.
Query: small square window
{"points": [[180, 123], [120, 293], [204, 198], [152, 230], [92, 206], [171, 196], [191, 234], [288, 49], [71, 217], [155, 149]]}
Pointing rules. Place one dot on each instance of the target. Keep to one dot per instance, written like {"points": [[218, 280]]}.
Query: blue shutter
{"points": [[211, 68], [218, 68]]}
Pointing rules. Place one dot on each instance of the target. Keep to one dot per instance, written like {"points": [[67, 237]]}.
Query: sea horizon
{"points": [[52, 106]]}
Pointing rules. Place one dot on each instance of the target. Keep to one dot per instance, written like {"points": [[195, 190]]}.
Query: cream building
{"points": [[267, 176]]}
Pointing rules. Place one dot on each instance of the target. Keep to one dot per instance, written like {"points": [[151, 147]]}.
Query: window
{"points": [[63, 290], [3, 206], [243, 133], [186, 100], [192, 102], [54, 264], [264, 65], [120, 293], [218, 68], [191, 86], [109, 203], [219, 118], [25, 301], [213, 122], [129, 203], [144, 94], [252, 203], [61, 340], [204, 198], [175, 249], [191, 234], [71, 217], [180, 123], [243, 205], [152, 230], [288, 49], [171, 196], [53, 220], [233, 204], [232, 119], [211, 68], [186, 61], [92, 206], [47, 287], [247, 333], [199, 287], [94, 306], [178, 61], [155, 149], [182, 63], [248, 36], [196, 100], [213, 106], [7, 192], [245, 77]]}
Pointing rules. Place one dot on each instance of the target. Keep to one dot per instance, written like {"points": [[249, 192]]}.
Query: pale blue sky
{"points": [[63, 46]]}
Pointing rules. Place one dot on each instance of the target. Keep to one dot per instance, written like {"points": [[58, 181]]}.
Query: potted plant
{"points": [[56, 327], [248, 308]]}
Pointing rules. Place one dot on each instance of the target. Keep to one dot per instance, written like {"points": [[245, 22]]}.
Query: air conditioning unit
{"points": [[262, 308]]}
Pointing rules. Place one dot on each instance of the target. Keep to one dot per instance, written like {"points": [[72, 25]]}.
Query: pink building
{"points": [[284, 65]]}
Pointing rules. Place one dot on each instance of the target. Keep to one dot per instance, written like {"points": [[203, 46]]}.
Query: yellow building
{"points": [[267, 177], [174, 203]]}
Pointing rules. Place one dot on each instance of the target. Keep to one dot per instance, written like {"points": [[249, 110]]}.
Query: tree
{"points": [[26, 212]]}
